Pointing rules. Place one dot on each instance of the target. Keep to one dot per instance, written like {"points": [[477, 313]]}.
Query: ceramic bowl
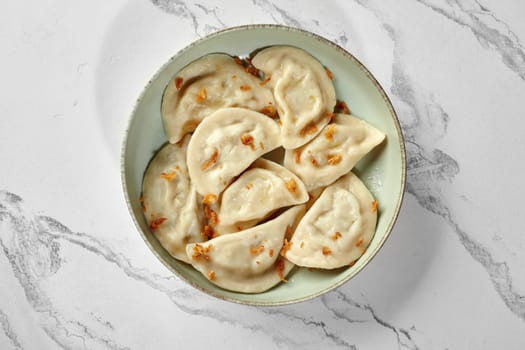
{"points": [[383, 170]]}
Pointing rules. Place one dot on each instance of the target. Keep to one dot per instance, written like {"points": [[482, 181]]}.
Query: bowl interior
{"points": [[383, 170]]}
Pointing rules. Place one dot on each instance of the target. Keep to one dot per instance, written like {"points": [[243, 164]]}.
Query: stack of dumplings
{"points": [[214, 201]]}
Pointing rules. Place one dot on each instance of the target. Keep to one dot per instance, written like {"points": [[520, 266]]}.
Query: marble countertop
{"points": [[75, 273]]}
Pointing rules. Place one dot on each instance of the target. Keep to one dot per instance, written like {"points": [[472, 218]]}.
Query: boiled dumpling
{"points": [[246, 261], [333, 152], [170, 203], [205, 85], [266, 186], [303, 91], [225, 144], [338, 227]]}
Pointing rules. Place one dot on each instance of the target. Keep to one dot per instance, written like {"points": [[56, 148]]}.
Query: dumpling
{"points": [[211, 82], [170, 203], [246, 261], [266, 186], [338, 227], [333, 152], [225, 144], [303, 91]]}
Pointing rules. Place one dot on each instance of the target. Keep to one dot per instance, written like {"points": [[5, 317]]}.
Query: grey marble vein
{"points": [[336, 339], [273, 10], [8, 331], [282, 16], [177, 8], [367, 314], [339, 308], [34, 256], [471, 14], [64, 330], [428, 167], [103, 322], [104, 340], [212, 11], [209, 19]]}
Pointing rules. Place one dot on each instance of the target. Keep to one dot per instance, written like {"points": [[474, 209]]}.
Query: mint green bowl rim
{"points": [[393, 114]]}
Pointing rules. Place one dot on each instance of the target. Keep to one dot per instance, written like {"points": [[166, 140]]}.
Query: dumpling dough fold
{"points": [[263, 188], [225, 144], [246, 261], [170, 202], [205, 85], [338, 227], [303, 90], [334, 152]]}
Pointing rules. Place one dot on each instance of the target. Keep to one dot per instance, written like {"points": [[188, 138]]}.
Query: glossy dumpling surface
{"points": [[303, 91], [337, 228], [334, 152], [225, 144], [246, 261], [170, 202], [211, 82], [266, 186]]}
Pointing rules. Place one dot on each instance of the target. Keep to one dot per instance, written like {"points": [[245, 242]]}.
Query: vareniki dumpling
{"points": [[211, 82], [225, 144], [266, 186], [264, 182], [337, 228], [333, 152], [170, 202], [246, 261], [303, 91]]}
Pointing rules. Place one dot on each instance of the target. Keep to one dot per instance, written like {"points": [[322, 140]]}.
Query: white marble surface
{"points": [[75, 273]]}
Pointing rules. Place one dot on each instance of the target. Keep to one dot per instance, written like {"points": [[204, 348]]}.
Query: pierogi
{"points": [[241, 220], [207, 84], [337, 228], [303, 91], [225, 144], [265, 187], [246, 261], [169, 200], [334, 152]]}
